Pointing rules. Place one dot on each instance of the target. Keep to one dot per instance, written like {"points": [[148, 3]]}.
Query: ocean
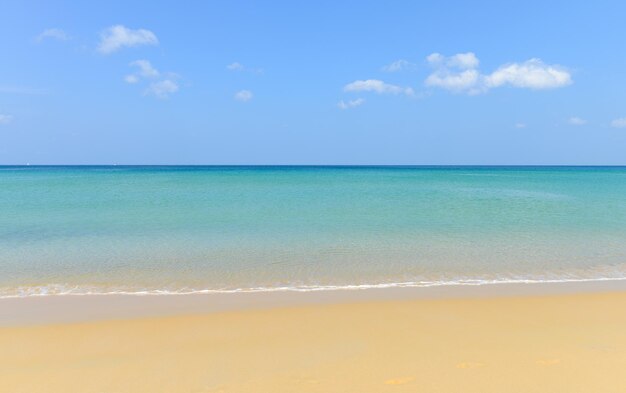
{"points": [[187, 229]]}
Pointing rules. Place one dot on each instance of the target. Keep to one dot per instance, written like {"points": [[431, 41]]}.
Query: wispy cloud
{"points": [[243, 95], [236, 66], [162, 89], [131, 78], [460, 60], [55, 34], [398, 65], [5, 119], [459, 73], [576, 121], [145, 69], [118, 36], [619, 123], [520, 125], [162, 85], [377, 86], [350, 104]]}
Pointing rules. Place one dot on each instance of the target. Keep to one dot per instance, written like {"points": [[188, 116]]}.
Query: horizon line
{"points": [[326, 165]]}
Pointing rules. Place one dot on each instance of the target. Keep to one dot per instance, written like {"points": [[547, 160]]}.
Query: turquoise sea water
{"points": [[192, 229]]}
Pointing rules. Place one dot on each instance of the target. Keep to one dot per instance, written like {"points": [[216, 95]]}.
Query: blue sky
{"points": [[318, 83]]}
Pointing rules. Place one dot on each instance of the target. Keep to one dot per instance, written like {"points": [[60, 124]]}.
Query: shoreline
{"points": [[76, 308], [42, 291]]}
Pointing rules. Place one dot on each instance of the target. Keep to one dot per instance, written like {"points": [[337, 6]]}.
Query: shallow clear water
{"points": [[186, 229]]}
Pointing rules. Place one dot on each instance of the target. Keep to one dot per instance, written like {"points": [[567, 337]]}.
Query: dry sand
{"points": [[555, 343]]}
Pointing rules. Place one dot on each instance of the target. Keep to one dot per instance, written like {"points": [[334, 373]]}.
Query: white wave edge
{"points": [[305, 288]]}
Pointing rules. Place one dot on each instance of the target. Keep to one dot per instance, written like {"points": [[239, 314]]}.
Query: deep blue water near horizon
{"points": [[178, 229]]}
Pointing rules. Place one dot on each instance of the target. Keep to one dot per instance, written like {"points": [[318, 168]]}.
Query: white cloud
{"points": [[531, 74], [162, 89], [118, 36], [462, 61], [377, 86], [56, 34], [455, 81], [243, 95], [235, 66], [520, 125], [5, 119], [455, 73], [397, 65], [145, 69], [131, 78], [576, 121], [350, 104], [434, 58], [619, 123], [164, 85], [459, 73]]}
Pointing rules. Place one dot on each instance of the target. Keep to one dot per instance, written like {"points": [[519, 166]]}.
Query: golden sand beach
{"points": [[552, 343]]}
